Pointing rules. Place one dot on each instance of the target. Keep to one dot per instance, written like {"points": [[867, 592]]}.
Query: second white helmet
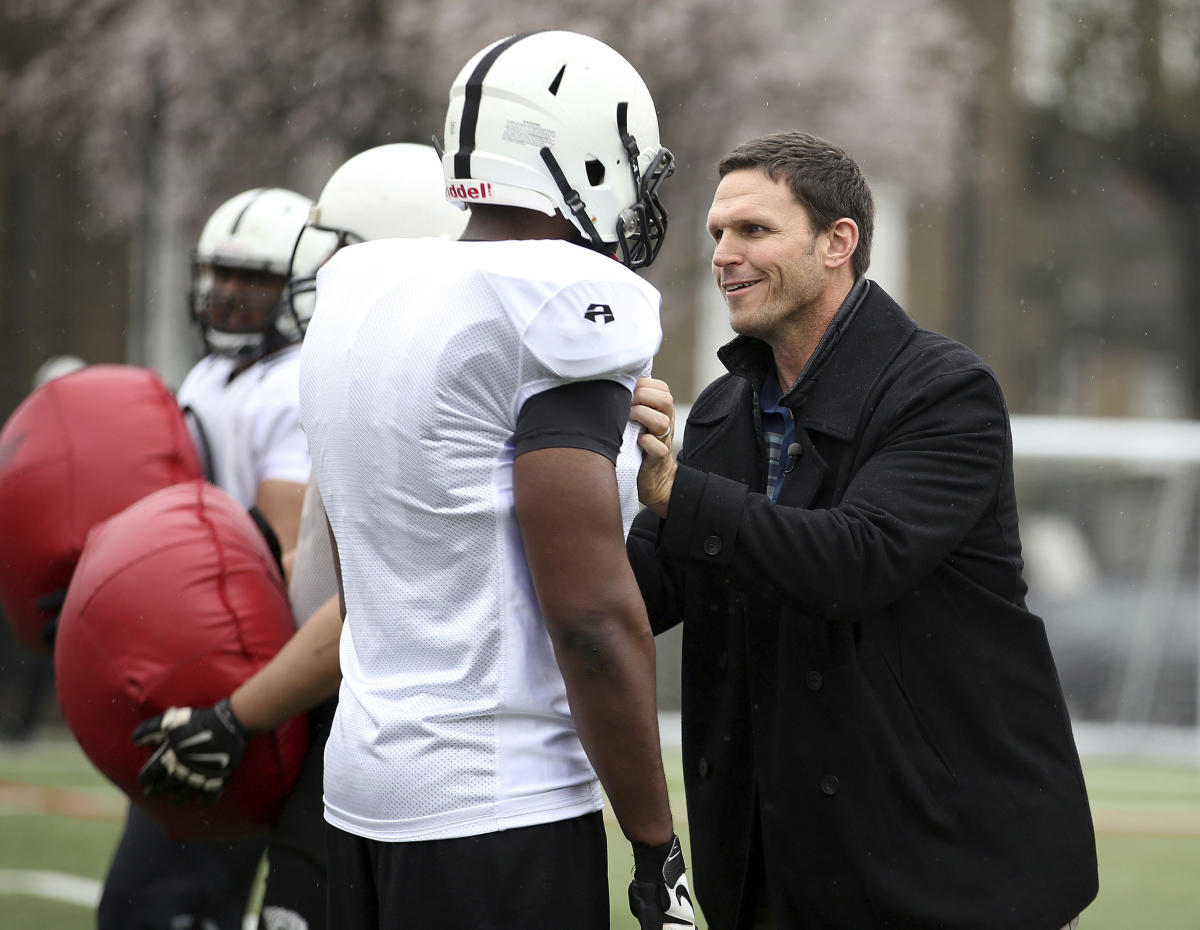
{"points": [[558, 121], [392, 191]]}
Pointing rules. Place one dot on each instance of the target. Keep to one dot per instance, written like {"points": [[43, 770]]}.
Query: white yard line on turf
{"points": [[53, 885], [70, 889]]}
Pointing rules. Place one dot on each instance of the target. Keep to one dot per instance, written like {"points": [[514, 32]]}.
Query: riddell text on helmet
{"points": [[479, 190]]}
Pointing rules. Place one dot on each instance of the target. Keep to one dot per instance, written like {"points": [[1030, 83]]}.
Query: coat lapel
{"points": [[832, 397], [828, 402], [723, 433]]}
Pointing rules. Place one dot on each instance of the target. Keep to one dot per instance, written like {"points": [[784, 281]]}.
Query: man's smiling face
{"points": [[766, 258]]}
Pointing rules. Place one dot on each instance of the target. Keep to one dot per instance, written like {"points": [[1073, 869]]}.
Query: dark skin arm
{"points": [[568, 508]]}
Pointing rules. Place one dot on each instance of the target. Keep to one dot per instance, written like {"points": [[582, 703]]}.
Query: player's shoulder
{"points": [[552, 265], [280, 365], [269, 383], [382, 257], [582, 314], [360, 274], [213, 363], [210, 373], [551, 261]]}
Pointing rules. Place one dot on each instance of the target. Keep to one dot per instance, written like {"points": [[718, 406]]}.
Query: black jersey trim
{"points": [[209, 466], [581, 415]]}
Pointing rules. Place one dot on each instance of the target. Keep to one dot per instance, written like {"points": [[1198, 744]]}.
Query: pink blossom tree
{"points": [[235, 95], [251, 90]]}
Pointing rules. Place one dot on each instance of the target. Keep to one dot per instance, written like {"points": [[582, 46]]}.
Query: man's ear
{"points": [[842, 240]]}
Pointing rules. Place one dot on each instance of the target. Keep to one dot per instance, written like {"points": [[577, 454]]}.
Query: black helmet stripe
{"points": [[249, 203], [474, 93]]}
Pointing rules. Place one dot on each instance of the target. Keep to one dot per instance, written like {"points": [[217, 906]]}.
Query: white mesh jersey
{"points": [[249, 428], [452, 718]]}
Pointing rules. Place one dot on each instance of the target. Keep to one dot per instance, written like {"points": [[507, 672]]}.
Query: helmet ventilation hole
{"points": [[595, 171], [557, 80]]}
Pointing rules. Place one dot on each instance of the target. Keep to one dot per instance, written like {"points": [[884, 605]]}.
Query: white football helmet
{"points": [[256, 230], [393, 191], [55, 367], [558, 121]]}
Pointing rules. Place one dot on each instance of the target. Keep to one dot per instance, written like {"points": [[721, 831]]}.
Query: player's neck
{"points": [[497, 223], [244, 364]]}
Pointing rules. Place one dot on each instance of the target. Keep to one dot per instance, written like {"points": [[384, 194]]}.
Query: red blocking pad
{"points": [[78, 450], [175, 602]]}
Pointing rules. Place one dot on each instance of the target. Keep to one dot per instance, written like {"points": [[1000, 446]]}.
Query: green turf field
{"points": [[59, 821]]}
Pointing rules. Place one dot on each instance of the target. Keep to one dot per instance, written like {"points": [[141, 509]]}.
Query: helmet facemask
{"points": [[642, 227], [300, 294]]}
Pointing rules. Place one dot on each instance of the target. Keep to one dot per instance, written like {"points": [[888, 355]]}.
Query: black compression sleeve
{"points": [[581, 415]]}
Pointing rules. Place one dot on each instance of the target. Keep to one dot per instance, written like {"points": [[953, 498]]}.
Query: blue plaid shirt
{"points": [[779, 429]]}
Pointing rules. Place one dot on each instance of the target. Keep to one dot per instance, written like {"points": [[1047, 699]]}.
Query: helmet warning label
{"points": [[527, 132]]}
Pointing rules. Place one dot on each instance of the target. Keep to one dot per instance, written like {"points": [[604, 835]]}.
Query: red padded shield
{"points": [[175, 602], [78, 450]]}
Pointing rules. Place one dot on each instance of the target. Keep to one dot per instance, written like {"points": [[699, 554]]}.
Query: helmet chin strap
{"points": [[573, 201], [571, 196], [630, 144]]}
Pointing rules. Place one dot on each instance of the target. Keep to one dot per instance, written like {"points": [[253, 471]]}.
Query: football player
{"points": [[241, 397], [390, 191], [241, 401], [467, 408]]}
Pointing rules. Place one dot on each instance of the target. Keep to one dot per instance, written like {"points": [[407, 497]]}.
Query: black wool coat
{"points": [[864, 691]]}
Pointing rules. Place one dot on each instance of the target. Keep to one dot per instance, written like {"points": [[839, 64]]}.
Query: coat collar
{"points": [[830, 392]]}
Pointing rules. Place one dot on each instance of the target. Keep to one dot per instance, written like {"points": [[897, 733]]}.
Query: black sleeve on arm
{"points": [[581, 415]]}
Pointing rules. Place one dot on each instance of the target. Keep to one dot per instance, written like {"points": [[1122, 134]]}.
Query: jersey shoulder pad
{"points": [[598, 326]]}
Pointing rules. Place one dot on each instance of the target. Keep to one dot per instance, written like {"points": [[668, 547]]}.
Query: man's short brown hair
{"points": [[826, 180]]}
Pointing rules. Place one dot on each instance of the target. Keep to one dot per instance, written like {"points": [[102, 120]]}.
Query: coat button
{"points": [[712, 545], [829, 784], [814, 680], [702, 767]]}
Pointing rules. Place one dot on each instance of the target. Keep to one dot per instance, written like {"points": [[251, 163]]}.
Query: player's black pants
{"points": [[544, 877], [295, 894], [155, 883]]}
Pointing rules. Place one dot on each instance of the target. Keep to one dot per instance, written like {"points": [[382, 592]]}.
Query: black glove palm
{"points": [[658, 895], [199, 748]]}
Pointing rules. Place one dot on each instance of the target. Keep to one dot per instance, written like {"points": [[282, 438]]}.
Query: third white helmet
{"points": [[255, 230]]}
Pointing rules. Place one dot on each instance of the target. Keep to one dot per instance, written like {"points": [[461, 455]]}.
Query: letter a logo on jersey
{"points": [[596, 312]]}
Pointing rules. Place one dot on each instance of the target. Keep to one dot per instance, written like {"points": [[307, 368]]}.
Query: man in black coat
{"points": [[874, 734]]}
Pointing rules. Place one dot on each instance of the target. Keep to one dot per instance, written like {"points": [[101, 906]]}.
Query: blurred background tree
{"points": [[1034, 159], [1112, 94], [151, 114]]}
